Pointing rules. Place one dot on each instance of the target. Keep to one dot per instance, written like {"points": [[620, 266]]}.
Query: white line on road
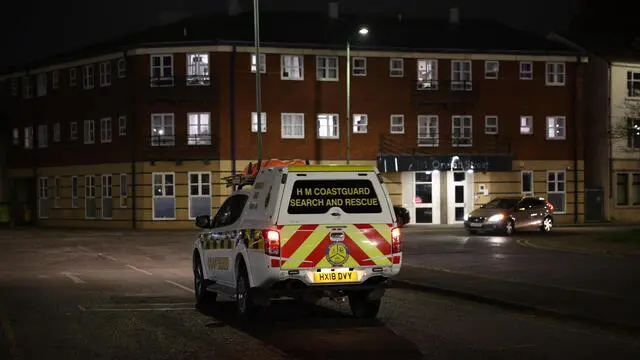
{"points": [[138, 269], [72, 277], [142, 309], [107, 257], [83, 248], [81, 308], [180, 286]]}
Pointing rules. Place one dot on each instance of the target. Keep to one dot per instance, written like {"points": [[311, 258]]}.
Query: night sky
{"points": [[36, 29]]}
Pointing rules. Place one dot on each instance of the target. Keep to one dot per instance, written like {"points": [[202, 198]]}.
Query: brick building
{"points": [[139, 132]]}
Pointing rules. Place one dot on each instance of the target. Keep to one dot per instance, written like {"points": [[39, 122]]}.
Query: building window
{"points": [[122, 125], [73, 130], [327, 68], [292, 126], [491, 69], [57, 191], [90, 211], [122, 68], [526, 125], [635, 189], [254, 122], [328, 127], [263, 63], [428, 126], [28, 137], [14, 87], [292, 67], [88, 77], [41, 89], [526, 182], [89, 132], [72, 77], [43, 136], [461, 75], [359, 66], [161, 70], [491, 125], [526, 70], [107, 196], [556, 128], [360, 122], [396, 67], [55, 79], [43, 198], [199, 194], [164, 200], [105, 130], [16, 136], [633, 134], [555, 73], [105, 73], [124, 190], [74, 192], [461, 132], [198, 70], [633, 84], [396, 124], [162, 130], [556, 190], [27, 88], [622, 195], [56, 132], [427, 74], [199, 129]]}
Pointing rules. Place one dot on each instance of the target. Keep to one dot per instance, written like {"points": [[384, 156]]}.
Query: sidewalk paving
{"points": [[590, 243], [604, 310]]}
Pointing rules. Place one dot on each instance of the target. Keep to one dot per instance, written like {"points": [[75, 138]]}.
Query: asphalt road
{"points": [[108, 295]]}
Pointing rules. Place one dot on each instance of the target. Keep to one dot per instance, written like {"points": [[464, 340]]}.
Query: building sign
{"points": [[318, 196], [482, 163]]}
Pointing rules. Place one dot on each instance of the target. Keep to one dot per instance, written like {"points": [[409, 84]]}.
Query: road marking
{"points": [[84, 248], [180, 286], [107, 257], [81, 308], [72, 277], [138, 269], [142, 309]]}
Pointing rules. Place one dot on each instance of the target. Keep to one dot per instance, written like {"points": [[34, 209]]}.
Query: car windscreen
{"points": [[353, 196], [501, 203]]}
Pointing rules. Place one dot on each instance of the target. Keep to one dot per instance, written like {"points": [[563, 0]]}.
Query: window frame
{"points": [[487, 127], [198, 73], [163, 79], [73, 77], [323, 68], [549, 126], [253, 64], [399, 71], [200, 184], [558, 78], [531, 183], [357, 128], [458, 76], [529, 119], [283, 126], [491, 75], [105, 73], [89, 132], [427, 79], [163, 139], [164, 191], [106, 183], [43, 136], [88, 77], [106, 130], [525, 74], [454, 140], [43, 197], [360, 70], [284, 68], [90, 194], [56, 132], [74, 191], [333, 124], [556, 182], [254, 122], [431, 139], [200, 137], [391, 124], [121, 68], [123, 190], [122, 125]]}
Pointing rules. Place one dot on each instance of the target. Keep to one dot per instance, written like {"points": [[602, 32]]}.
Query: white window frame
{"points": [[121, 66], [392, 124], [461, 78], [359, 69], [88, 77], [555, 124], [74, 192], [55, 79], [323, 68], [526, 122], [263, 63], [105, 73], [164, 195], [522, 183], [73, 130], [57, 190], [43, 196], [198, 69], [200, 185], [106, 130], [491, 129], [489, 72], [288, 68], [633, 84], [427, 76], [292, 125], [430, 136], [90, 194], [396, 67], [27, 88], [73, 77], [162, 139], [556, 182], [89, 132], [360, 123], [254, 122], [526, 74], [28, 137], [555, 73], [43, 136], [56, 132], [196, 133], [122, 125], [41, 84], [16, 136], [124, 190], [462, 141], [166, 73], [106, 192], [332, 126]]}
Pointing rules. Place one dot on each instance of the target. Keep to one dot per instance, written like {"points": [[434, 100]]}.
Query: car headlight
{"points": [[466, 217], [496, 218]]}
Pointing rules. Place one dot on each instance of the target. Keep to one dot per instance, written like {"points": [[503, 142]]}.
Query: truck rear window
{"points": [[318, 196]]}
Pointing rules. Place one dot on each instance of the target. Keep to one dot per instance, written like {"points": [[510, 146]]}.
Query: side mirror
{"points": [[203, 221]]}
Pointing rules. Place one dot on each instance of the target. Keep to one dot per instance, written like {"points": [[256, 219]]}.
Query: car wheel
{"points": [[203, 296], [547, 224], [245, 304], [509, 228]]}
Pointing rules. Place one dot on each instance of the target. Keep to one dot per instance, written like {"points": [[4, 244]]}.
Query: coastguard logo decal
{"points": [[337, 254]]}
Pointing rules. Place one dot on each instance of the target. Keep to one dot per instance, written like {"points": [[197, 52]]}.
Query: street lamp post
{"points": [[256, 35], [363, 31]]}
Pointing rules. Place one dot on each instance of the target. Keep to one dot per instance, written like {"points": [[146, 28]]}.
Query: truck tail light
{"points": [[395, 240], [271, 242]]}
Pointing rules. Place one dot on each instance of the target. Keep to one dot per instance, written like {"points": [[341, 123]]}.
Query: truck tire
{"points": [[204, 297], [362, 306], [246, 308]]}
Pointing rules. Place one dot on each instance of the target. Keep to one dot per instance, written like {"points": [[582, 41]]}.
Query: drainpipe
{"points": [[232, 107], [575, 139], [610, 143], [131, 125]]}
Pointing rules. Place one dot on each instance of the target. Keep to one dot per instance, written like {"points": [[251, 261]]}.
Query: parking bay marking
{"points": [[72, 277]]}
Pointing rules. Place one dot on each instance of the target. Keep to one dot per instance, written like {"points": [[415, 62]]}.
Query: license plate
{"points": [[475, 225], [335, 277]]}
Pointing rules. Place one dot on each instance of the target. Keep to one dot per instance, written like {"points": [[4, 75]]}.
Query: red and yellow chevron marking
{"points": [[305, 246]]}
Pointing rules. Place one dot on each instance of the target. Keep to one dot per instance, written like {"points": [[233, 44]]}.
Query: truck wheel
{"points": [[204, 297], [362, 307], [246, 307]]}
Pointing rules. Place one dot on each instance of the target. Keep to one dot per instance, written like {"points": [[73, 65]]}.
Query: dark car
{"points": [[402, 215], [506, 214]]}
